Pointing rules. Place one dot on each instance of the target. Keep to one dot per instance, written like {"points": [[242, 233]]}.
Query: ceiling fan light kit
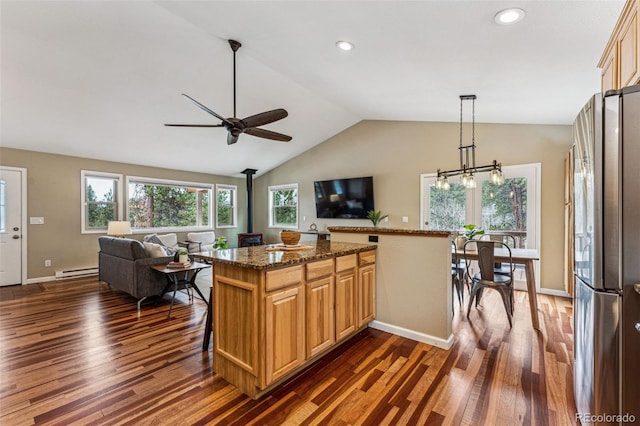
{"points": [[236, 126]]}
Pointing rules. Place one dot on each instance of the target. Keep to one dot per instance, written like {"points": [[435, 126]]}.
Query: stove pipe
{"points": [[249, 173]]}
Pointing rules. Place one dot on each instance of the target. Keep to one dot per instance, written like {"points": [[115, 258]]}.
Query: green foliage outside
{"points": [[285, 210], [156, 206], [225, 207], [447, 208], [100, 210], [504, 207]]}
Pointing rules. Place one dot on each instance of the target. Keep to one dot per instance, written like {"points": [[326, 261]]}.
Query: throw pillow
{"points": [[154, 250], [153, 238]]}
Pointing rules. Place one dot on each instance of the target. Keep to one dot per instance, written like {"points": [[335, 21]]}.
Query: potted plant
{"points": [[221, 243], [470, 232], [376, 217], [183, 256]]}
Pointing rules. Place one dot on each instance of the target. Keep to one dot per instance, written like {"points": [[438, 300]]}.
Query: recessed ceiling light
{"points": [[509, 16], [345, 45]]}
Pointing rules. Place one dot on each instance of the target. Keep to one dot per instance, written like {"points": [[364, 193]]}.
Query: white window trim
{"points": [[234, 203], [83, 197], [141, 179], [274, 188]]}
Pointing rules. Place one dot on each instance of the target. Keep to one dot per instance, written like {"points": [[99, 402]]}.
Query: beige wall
{"points": [[396, 153], [53, 192]]}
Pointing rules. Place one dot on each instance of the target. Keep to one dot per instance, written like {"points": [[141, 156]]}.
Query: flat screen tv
{"points": [[344, 198]]}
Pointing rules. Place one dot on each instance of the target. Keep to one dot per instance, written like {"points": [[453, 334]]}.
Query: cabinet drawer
{"points": [[285, 277], [319, 269], [366, 258], [346, 262]]}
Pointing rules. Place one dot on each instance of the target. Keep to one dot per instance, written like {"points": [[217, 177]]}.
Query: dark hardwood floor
{"points": [[74, 352]]}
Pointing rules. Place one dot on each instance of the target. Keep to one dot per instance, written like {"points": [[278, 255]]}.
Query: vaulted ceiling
{"points": [[99, 79]]}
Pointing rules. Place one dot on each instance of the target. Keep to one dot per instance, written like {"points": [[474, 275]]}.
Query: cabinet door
{"points": [[366, 294], [628, 53], [609, 76], [284, 345], [345, 303], [320, 316]]}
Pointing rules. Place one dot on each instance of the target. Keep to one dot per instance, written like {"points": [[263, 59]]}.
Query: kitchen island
{"points": [[278, 309]]}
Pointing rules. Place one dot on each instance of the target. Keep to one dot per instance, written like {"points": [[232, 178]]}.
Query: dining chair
{"points": [[509, 240], [487, 277], [457, 274]]}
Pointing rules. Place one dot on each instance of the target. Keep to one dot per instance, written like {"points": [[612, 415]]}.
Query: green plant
{"points": [[182, 251], [376, 217], [221, 243], [471, 230]]}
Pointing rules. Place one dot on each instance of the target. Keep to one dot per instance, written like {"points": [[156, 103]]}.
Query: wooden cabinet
{"points": [[320, 315], [284, 339], [345, 296], [366, 291], [620, 62]]}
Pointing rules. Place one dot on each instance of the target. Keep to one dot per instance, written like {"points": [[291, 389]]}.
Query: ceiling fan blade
{"points": [[264, 118], [268, 134], [204, 108], [195, 125]]}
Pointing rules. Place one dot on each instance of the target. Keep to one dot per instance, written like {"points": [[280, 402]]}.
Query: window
{"points": [[101, 200], [283, 206], [226, 213], [157, 204]]}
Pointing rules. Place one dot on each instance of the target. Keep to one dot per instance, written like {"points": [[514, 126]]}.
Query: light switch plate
{"points": [[36, 220], [405, 219]]}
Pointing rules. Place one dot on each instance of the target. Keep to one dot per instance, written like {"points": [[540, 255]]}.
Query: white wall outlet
{"points": [[405, 219], [47, 262], [36, 220], [304, 218]]}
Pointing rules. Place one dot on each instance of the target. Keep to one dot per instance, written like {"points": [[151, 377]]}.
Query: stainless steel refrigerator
{"points": [[607, 258]]}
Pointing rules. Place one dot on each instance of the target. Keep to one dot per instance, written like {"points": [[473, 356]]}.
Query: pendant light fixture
{"points": [[467, 155]]}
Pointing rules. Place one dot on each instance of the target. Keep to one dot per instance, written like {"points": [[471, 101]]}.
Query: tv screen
{"points": [[344, 198]]}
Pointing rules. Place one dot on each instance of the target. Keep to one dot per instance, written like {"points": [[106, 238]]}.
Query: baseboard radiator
{"points": [[69, 273]]}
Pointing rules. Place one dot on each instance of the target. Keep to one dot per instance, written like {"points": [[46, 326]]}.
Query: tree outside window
{"points": [[226, 216], [283, 202], [101, 195], [167, 205]]}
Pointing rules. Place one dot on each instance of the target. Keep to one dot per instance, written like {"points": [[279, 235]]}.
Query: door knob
{"points": [[16, 229], [15, 237]]}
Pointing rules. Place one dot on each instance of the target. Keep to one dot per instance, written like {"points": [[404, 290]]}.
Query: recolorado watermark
{"points": [[605, 418]]}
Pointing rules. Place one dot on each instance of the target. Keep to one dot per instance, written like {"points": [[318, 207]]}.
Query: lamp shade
{"points": [[119, 228]]}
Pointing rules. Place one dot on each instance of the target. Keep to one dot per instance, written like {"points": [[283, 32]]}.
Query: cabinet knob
{"points": [[636, 287], [638, 327]]}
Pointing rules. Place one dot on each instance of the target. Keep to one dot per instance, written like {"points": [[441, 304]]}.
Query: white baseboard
{"points": [[40, 280], [413, 335]]}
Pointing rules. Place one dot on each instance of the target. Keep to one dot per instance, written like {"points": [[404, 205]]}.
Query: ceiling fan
{"points": [[236, 126]]}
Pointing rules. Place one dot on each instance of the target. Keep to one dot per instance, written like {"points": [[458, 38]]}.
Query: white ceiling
{"points": [[99, 79]]}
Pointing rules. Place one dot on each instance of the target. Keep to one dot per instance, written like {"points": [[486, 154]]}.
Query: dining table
{"points": [[524, 257]]}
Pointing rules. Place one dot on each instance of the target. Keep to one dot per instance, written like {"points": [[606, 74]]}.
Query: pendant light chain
{"points": [[468, 159]]}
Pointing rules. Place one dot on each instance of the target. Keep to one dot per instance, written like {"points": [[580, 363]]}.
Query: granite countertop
{"points": [[389, 231], [261, 257]]}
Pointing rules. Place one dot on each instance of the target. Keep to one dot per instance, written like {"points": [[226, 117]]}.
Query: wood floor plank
{"points": [[76, 352]]}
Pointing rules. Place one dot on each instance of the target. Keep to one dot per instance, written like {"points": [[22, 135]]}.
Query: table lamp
{"points": [[119, 228]]}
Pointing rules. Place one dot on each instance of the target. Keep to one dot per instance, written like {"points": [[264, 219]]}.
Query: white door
{"points": [[10, 227]]}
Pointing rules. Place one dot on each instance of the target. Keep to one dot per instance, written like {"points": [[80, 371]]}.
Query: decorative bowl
{"points": [[290, 238]]}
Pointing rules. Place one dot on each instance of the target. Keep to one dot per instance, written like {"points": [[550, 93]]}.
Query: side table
{"points": [[181, 278]]}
